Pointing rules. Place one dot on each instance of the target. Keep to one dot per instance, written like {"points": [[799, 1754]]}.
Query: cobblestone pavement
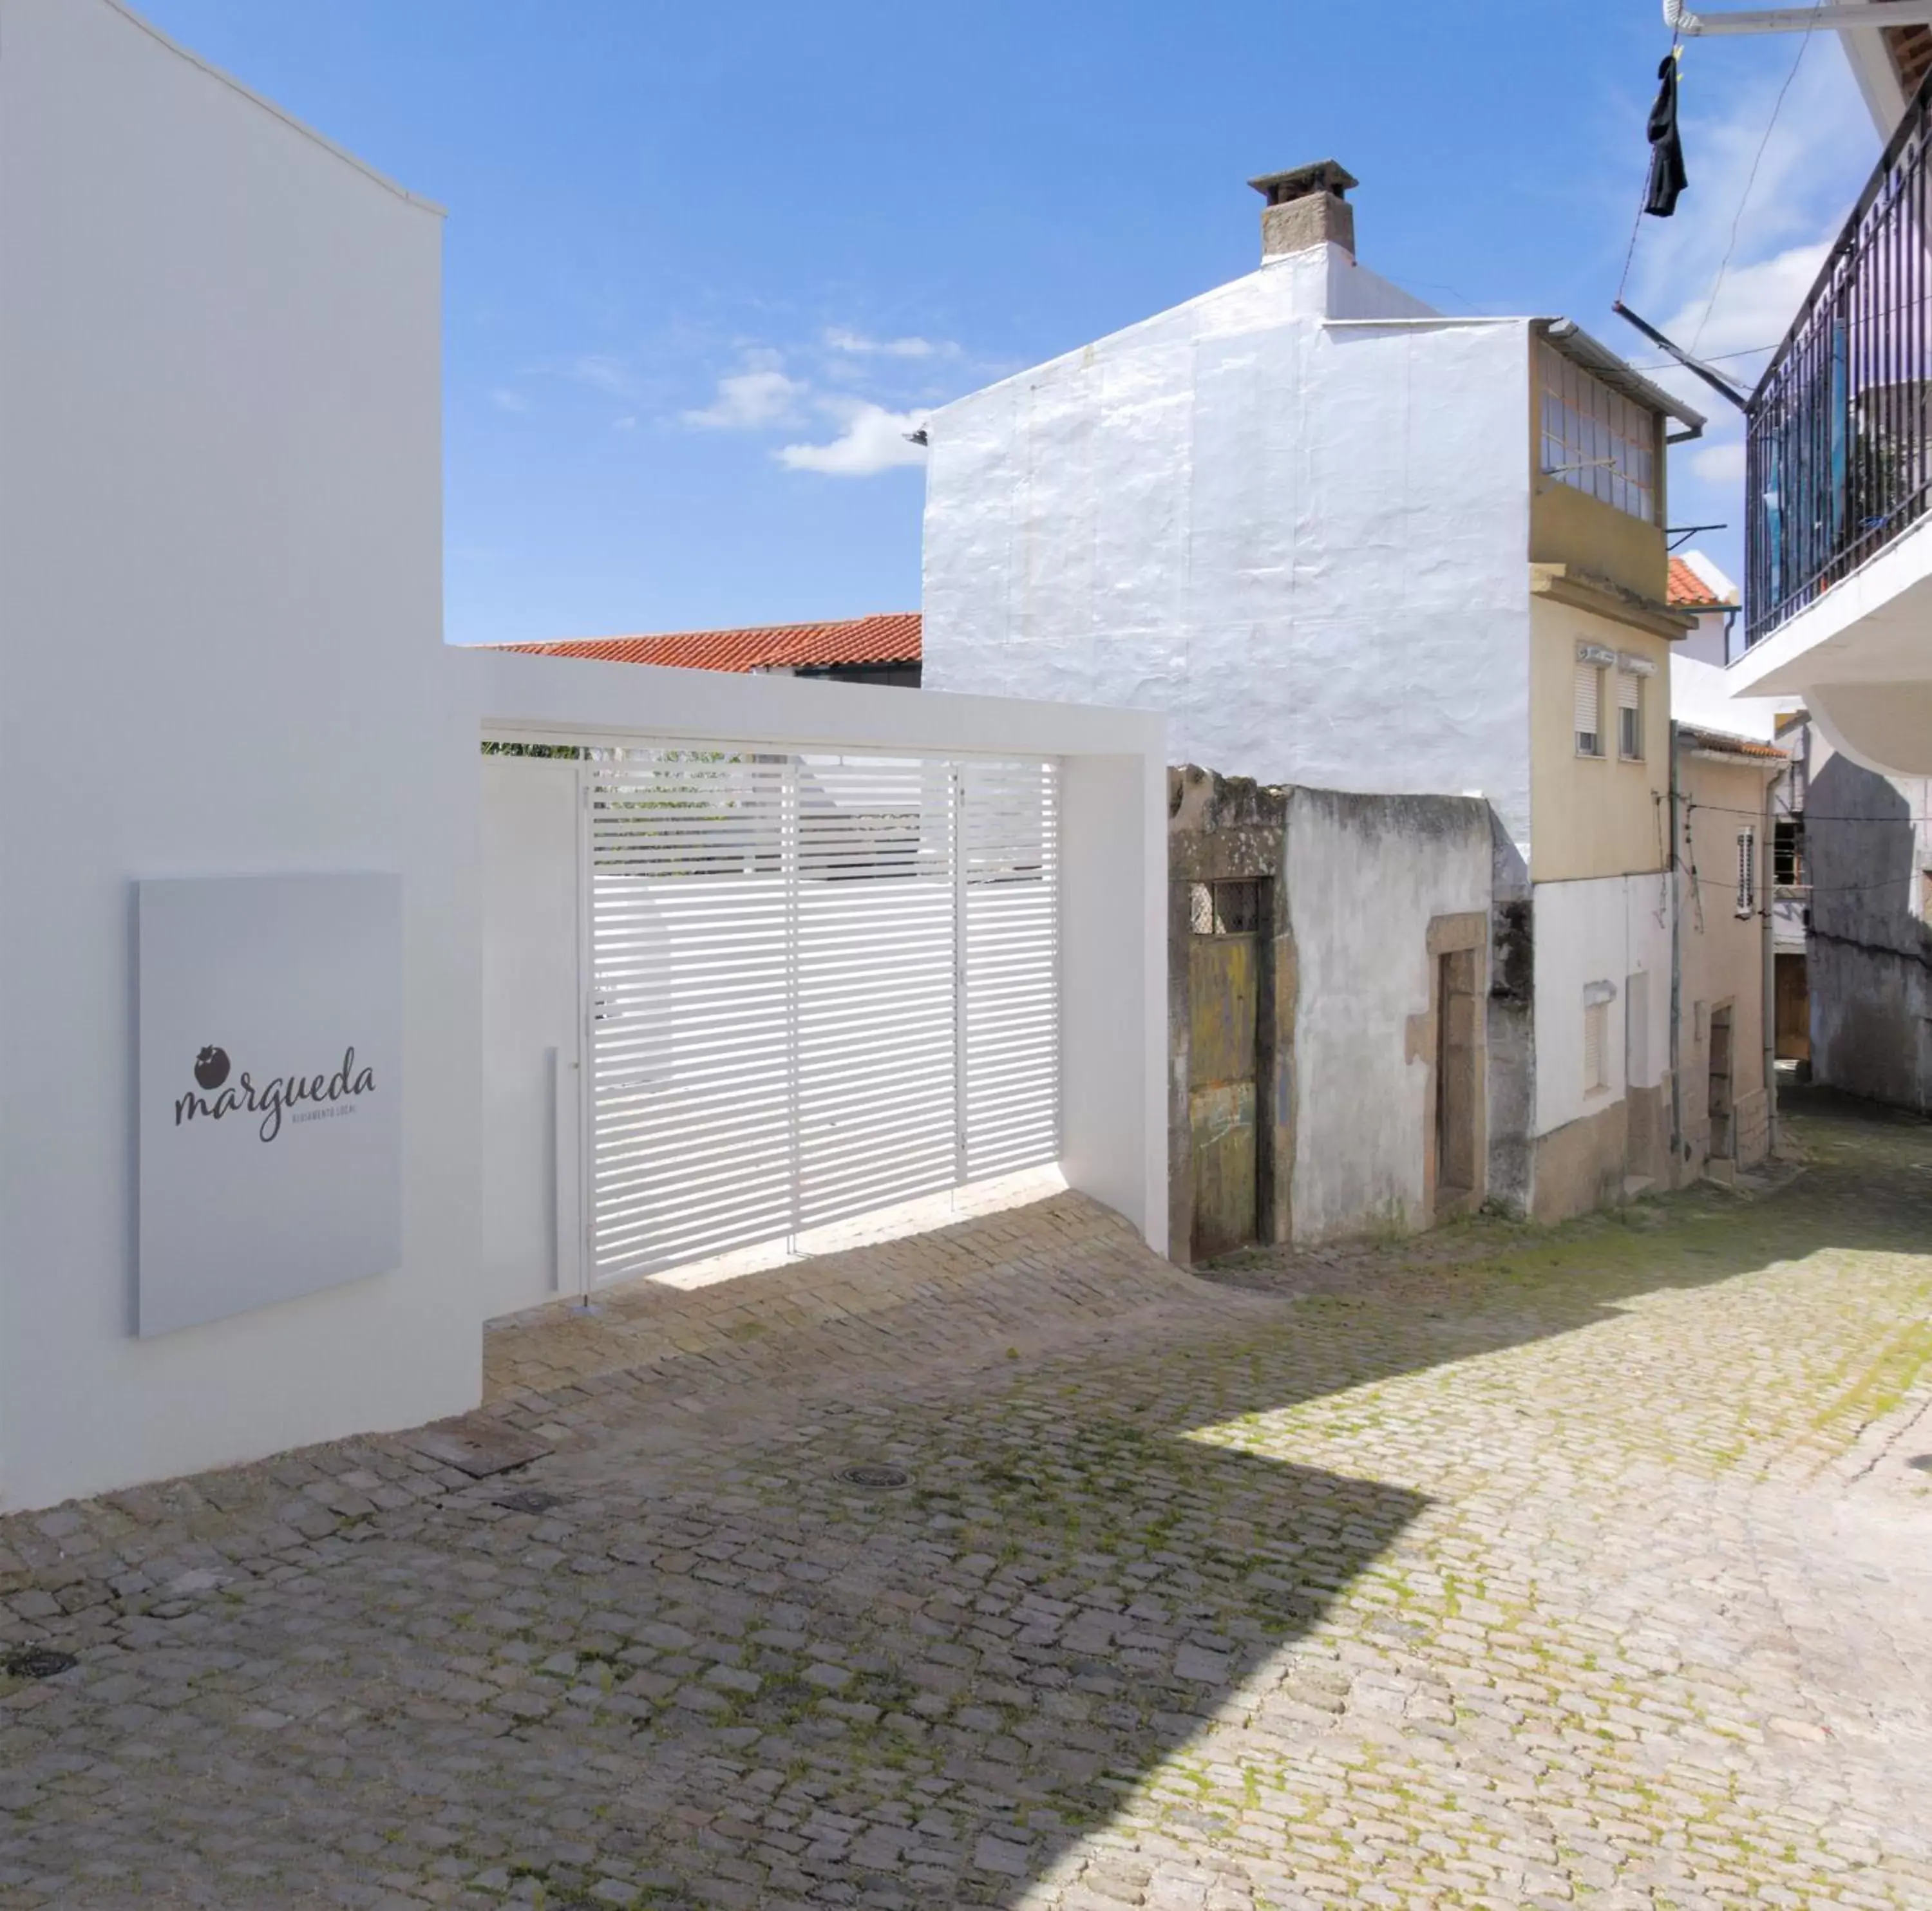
{"points": [[1589, 1568]]}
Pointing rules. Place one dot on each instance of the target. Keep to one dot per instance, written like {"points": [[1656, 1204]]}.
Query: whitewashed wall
{"points": [[220, 559], [1364, 880], [1113, 926], [533, 1011], [1700, 694], [221, 472], [1303, 539], [1606, 930]]}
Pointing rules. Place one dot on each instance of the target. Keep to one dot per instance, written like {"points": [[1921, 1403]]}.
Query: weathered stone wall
{"points": [[1511, 1031], [1869, 953], [1374, 905], [1230, 829]]}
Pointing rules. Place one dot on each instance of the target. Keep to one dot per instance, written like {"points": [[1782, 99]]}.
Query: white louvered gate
{"points": [[818, 985]]}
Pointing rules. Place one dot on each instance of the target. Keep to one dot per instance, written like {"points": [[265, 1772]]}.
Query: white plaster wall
{"points": [[1113, 952], [1304, 540], [220, 653], [220, 597], [1607, 930], [1363, 880], [1700, 694], [532, 1051]]}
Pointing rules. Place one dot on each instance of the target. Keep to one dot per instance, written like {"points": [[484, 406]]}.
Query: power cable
{"points": [[1751, 178]]}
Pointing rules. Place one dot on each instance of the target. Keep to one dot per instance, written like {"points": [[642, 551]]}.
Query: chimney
{"points": [[1306, 208]]}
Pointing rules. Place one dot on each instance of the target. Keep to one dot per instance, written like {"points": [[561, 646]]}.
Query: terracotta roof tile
{"points": [[1725, 744], [890, 637], [1688, 592]]}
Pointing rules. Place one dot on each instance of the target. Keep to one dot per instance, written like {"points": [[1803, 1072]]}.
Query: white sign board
{"points": [[271, 1090]]}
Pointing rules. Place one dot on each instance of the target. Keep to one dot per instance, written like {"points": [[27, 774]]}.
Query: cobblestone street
{"points": [[1585, 1567]]}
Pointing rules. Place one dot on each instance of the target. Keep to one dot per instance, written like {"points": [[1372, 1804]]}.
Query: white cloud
{"points": [[838, 339], [602, 373], [505, 400], [1753, 305], [1722, 462], [1766, 209], [759, 395], [1770, 206], [874, 440]]}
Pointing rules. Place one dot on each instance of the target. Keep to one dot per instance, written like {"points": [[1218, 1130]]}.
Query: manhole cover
{"points": [[34, 1662], [533, 1500], [880, 1478]]}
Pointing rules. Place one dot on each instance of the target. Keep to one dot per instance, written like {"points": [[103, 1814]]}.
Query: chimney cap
{"points": [[1324, 176]]}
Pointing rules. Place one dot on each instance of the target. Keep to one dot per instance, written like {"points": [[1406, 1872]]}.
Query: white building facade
{"points": [[1344, 541], [226, 708]]}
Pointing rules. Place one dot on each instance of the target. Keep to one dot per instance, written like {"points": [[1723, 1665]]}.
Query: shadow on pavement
{"points": [[731, 1676]]}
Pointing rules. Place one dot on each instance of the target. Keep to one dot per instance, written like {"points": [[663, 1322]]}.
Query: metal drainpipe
{"points": [[1676, 978]]}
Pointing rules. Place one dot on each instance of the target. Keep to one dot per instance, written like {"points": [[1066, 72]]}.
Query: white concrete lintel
{"points": [[1869, 628]]}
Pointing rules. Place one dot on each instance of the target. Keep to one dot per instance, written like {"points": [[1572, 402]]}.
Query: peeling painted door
{"points": [[1224, 977]]}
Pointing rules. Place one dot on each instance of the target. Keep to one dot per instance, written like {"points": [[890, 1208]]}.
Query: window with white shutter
{"points": [[1630, 717], [1746, 872], [1589, 710]]}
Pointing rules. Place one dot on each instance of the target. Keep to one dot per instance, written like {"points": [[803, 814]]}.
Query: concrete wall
{"points": [[1364, 894], [1113, 914], [220, 571], [1595, 816], [1607, 931], [533, 1011], [1253, 489], [1722, 958], [1869, 954], [1367, 876], [220, 562]]}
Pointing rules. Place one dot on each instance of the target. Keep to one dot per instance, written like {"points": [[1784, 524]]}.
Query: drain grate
{"points": [[531, 1499], [35, 1661], [880, 1479]]}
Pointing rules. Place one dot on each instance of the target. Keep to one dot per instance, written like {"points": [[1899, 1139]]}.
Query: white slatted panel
{"points": [[691, 1010], [1011, 833], [877, 1097], [818, 986]]}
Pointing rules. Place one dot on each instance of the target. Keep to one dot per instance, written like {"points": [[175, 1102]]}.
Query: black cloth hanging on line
{"points": [[1666, 149]]}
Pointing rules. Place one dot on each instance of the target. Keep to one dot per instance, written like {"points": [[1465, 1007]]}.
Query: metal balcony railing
{"points": [[1838, 442]]}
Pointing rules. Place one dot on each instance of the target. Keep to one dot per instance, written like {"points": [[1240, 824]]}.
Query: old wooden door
{"points": [[1224, 993]]}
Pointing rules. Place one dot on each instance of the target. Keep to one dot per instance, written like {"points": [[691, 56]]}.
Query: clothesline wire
{"points": [[1732, 809], [1827, 889], [1636, 224]]}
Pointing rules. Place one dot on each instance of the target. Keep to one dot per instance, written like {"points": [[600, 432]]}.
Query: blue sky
{"points": [[703, 264]]}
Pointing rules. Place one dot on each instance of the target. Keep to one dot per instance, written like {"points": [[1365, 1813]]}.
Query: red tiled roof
{"points": [[890, 637], [1688, 592], [1725, 744]]}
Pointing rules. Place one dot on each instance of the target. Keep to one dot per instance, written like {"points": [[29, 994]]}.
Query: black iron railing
{"points": [[1838, 445]]}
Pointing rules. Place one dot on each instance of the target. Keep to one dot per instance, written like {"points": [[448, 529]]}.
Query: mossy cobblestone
{"points": [[1578, 1567]]}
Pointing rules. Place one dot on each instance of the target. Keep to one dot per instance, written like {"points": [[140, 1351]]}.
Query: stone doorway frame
{"points": [[1454, 941]]}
